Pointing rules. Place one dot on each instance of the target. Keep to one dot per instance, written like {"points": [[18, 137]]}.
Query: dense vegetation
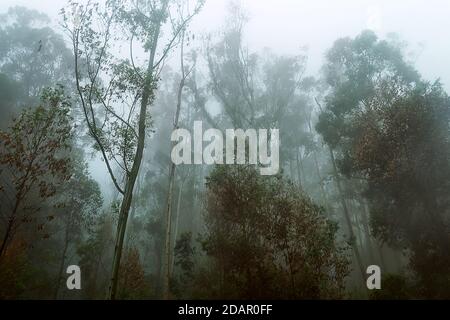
{"points": [[364, 158]]}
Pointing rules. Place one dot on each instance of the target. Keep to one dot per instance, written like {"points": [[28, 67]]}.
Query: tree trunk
{"points": [[9, 229], [299, 171], [365, 221], [167, 251], [61, 265], [7, 236], [347, 216], [177, 220], [130, 182], [132, 176], [319, 175]]}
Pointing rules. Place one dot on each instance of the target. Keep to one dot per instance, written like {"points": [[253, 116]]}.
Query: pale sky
{"points": [[287, 25]]}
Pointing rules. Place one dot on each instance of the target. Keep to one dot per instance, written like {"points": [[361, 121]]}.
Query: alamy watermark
{"points": [[241, 147]]}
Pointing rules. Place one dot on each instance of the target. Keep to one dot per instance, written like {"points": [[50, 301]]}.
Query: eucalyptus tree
{"points": [[293, 250], [9, 96], [256, 90], [32, 53], [80, 201], [388, 128], [185, 71], [115, 92], [353, 70], [403, 150]]}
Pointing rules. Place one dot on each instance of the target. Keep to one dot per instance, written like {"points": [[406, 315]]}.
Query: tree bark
{"points": [[299, 171], [63, 261], [6, 236], [131, 179], [177, 220], [167, 250], [11, 221], [319, 175], [167, 254], [347, 215]]}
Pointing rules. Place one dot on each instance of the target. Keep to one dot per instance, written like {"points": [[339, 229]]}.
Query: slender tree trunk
{"points": [[177, 221], [61, 265], [129, 232], [381, 254], [11, 221], [359, 233], [167, 250], [365, 221], [374, 244], [363, 236], [7, 236], [299, 172], [94, 279], [319, 175], [132, 176], [347, 216], [291, 170], [121, 228], [147, 94]]}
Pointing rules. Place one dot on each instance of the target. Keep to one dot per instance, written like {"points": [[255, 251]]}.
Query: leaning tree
{"points": [[115, 88]]}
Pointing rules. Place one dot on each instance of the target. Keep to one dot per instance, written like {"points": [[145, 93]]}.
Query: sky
{"points": [[285, 26]]}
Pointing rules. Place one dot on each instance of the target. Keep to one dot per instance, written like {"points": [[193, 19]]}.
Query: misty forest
{"points": [[89, 99]]}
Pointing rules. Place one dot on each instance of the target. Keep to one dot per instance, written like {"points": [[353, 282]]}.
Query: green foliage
{"points": [[392, 129], [32, 53], [183, 253], [354, 68], [394, 287], [32, 150], [404, 152], [93, 255], [10, 93], [266, 239]]}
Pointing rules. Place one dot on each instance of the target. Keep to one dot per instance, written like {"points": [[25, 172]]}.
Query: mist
{"points": [[347, 188]]}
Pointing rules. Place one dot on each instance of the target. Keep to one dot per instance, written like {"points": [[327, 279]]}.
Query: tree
{"points": [[81, 201], [267, 240], [34, 160], [172, 170], [403, 150], [33, 54], [389, 128], [114, 93], [94, 257], [9, 95], [134, 284], [353, 69]]}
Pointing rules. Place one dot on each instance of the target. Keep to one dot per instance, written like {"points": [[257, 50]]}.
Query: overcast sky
{"points": [[287, 25]]}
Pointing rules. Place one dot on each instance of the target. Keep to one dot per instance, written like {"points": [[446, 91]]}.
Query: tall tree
{"points": [[185, 71], [80, 201], [115, 93], [403, 150], [33, 54], [390, 128], [34, 160], [267, 240]]}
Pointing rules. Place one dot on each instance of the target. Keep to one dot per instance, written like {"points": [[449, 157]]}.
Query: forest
{"points": [[89, 102]]}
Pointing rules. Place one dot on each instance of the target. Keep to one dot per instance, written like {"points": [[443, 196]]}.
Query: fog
{"points": [[355, 94], [286, 26]]}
